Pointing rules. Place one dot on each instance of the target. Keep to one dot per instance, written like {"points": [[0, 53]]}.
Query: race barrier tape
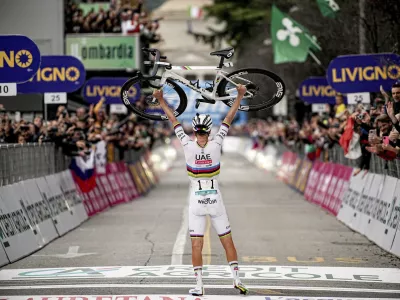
{"points": [[368, 204], [36, 211]]}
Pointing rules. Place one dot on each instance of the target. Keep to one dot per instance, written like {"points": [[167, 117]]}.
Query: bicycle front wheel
{"points": [[136, 94], [266, 88]]}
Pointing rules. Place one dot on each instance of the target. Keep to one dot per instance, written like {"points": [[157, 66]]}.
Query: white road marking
{"points": [[255, 272], [211, 286], [180, 297], [72, 253], [180, 242]]}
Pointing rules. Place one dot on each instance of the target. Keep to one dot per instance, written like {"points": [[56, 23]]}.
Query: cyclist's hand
{"points": [[158, 94], [241, 90]]}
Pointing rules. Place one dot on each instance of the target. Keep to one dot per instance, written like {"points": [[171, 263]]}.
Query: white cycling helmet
{"points": [[202, 123]]}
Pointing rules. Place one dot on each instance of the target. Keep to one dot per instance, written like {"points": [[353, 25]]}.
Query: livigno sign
{"points": [[105, 51]]}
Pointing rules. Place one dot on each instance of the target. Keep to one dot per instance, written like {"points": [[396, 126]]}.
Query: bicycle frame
{"points": [[202, 91]]}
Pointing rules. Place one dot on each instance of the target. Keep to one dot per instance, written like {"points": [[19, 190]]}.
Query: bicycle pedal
{"points": [[206, 101]]}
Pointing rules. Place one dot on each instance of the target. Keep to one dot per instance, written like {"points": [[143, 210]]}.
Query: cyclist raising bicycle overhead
{"points": [[203, 167]]}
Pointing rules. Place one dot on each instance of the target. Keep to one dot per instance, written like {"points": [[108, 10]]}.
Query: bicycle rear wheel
{"points": [[136, 94], [259, 82]]}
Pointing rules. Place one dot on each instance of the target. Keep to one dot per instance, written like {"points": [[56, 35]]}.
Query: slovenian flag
{"points": [[83, 172], [195, 12]]}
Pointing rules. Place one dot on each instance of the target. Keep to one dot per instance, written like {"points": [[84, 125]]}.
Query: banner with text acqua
{"points": [[317, 90], [105, 52], [110, 88], [19, 58], [363, 73], [57, 74]]}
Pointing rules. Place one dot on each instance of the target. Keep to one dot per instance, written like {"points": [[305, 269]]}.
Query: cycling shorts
{"points": [[206, 199]]}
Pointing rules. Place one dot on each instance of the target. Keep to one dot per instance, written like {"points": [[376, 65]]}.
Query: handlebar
{"points": [[158, 56]]}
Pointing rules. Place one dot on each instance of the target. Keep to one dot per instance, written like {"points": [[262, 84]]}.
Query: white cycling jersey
{"points": [[202, 162], [203, 167]]}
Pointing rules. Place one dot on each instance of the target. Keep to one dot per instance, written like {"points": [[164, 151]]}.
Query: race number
{"points": [[356, 98], [319, 108], [55, 98], [8, 89]]}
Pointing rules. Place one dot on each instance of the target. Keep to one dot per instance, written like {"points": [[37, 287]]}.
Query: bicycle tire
{"points": [[255, 107], [132, 81]]}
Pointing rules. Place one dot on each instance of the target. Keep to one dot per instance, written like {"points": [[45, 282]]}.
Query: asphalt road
{"points": [[286, 247]]}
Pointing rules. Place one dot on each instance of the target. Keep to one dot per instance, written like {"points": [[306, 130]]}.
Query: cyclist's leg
{"points": [[197, 225]]}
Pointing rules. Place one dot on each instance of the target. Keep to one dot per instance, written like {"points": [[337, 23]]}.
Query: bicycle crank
{"points": [[198, 101]]}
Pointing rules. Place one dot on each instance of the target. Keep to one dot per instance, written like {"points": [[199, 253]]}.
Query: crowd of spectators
{"points": [[119, 16], [361, 130], [75, 133]]}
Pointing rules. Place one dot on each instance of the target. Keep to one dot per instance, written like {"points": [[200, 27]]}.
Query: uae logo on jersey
{"points": [[203, 159]]}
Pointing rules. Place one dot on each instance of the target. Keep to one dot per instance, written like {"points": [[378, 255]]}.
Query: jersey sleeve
{"points": [[181, 135], [222, 133]]}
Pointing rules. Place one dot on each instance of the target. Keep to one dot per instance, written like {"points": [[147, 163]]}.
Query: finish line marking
{"points": [[251, 287], [254, 272], [177, 297]]}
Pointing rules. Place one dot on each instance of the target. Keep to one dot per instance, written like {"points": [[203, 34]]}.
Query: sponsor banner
{"points": [[363, 73], [72, 196], [317, 90], [174, 297], [303, 175], [105, 51], [350, 197], [19, 58], [113, 179], [312, 181], [381, 231], [324, 179], [259, 272], [38, 212], [137, 179], [394, 221], [130, 187], [294, 169], [119, 182], [339, 189], [3, 256], [57, 74], [16, 234], [109, 88]]}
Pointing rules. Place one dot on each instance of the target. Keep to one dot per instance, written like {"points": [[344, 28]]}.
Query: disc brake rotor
{"points": [[252, 88], [151, 101]]}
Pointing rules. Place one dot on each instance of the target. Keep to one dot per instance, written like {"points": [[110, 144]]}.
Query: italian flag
{"points": [[195, 12]]}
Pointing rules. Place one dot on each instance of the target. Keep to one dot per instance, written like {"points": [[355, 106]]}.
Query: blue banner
{"points": [[363, 73], [317, 90], [19, 58], [57, 74], [108, 87]]}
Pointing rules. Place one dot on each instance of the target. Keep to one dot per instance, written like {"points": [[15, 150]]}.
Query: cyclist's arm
{"points": [[235, 106], [159, 96], [182, 136]]}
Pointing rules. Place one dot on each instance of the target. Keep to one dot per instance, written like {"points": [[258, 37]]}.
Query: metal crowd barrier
{"points": [[377, 165], [21, 162]]}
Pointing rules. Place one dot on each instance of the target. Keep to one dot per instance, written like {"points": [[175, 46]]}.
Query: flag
{"points": [[290, 40], [328, 8], [83, 172], [195, 12]]}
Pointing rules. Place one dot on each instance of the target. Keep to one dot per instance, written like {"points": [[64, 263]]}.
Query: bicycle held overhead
{"points": [[258, 83]]}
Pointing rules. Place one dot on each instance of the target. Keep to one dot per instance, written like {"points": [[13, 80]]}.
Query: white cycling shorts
{"points": [[205, 199]]}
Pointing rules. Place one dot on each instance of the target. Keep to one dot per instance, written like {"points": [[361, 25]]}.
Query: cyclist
{"points": [[203, 166]]}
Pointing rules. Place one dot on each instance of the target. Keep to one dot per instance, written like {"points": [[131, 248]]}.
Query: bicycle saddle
{"points": [[227, 53]]}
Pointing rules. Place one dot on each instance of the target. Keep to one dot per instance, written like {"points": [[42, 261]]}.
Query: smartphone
{"points": [[386, 140]]}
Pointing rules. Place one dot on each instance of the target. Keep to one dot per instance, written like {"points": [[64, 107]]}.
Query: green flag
{"points": [[290, 40], [328, 8]]}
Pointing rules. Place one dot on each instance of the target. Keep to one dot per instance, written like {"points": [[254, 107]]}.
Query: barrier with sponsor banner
{"points": [[36, 211], [368, 204]]}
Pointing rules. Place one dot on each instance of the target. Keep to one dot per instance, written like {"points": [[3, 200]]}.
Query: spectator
{"points": [[340, 107]]}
